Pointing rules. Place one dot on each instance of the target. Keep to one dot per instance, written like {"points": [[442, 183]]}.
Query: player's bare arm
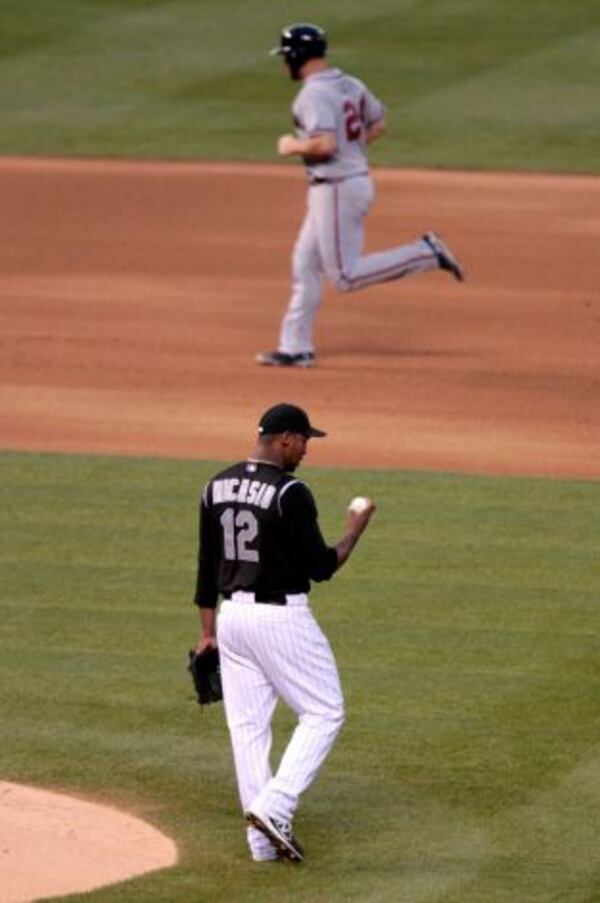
{"points": [[375, 131], [208, 629], [357, 522], [323, 145]]}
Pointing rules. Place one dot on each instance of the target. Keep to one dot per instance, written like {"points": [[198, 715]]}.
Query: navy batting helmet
{"points": [[299, 43]]}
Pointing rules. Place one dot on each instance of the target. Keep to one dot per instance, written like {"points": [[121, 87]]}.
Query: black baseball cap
{"points": [[287, 418]]}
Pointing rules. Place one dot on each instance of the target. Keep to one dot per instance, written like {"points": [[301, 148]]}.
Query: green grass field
{"points": [[468, 83], [466, 630]]}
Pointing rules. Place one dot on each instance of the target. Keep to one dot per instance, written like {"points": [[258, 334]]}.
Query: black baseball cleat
{"points": [[282, 359], [278, 832], [445, 257]]}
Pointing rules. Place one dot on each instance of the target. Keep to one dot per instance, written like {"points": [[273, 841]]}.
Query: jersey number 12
{"points": [[239, 530]]}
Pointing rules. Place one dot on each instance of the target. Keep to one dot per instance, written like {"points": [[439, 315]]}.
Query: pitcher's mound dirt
{"points": [[52, 844]]}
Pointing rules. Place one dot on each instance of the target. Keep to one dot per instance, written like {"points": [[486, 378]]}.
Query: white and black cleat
{"points": [[445, 257], [282, 359], [278, 832]]}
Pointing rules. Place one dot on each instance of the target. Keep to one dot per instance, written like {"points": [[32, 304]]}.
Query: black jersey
{"points": [[259, 533]]}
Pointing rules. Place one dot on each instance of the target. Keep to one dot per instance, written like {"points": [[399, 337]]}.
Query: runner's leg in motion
{"points": [[296, 335], [342, 209]]}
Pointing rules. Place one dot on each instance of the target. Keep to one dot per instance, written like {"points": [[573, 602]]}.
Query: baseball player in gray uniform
{"points": [[336, 117]]}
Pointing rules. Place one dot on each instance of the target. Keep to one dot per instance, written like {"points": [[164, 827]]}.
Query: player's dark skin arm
{"points": [[287, 451], [208, 629], [357, 522]]}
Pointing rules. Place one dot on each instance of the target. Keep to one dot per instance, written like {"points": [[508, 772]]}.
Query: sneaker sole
{"points": [[277, 840], [263, 363], [443, 253], [304, 365], [455, 268]]}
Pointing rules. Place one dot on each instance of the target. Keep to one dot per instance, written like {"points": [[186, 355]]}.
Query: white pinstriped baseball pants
{"points": [[331, 243], [269, 652]]}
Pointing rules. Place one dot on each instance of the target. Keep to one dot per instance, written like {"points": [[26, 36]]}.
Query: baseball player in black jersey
{"points": [[260, 548]]}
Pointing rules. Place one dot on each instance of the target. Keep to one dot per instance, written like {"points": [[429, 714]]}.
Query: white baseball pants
{"points": [[269, 652], [330, 243]]}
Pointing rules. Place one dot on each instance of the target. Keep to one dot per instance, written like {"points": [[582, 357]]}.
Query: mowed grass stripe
{"points": [[475, 83], [466, 632]]}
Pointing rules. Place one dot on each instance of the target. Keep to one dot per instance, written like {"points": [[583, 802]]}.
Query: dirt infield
{"points": [[134, 296]]}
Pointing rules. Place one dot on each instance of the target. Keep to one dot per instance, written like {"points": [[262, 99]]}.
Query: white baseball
{"points": [[360, 503]]}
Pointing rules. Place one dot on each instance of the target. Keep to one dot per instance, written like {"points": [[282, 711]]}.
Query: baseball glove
{"points": [[206, 675]]}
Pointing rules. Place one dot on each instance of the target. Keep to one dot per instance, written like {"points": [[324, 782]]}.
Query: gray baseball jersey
{"points": [[331, 240], [334, 102]]}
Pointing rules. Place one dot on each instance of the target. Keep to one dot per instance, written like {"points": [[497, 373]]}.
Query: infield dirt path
{"points": [[134, 296]]}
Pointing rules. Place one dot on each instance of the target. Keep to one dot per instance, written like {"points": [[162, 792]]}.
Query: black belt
{"points": [[266, 598], [320, 180]]}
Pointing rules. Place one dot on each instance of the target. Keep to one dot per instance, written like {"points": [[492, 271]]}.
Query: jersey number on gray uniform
{"points": [[354, 119]]}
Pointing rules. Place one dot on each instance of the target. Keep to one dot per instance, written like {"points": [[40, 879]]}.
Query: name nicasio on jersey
{"points": [[250, 492]]}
